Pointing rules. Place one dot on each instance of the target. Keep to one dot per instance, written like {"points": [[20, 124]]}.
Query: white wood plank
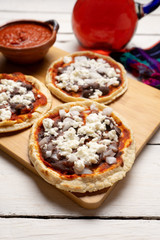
{"points": [[69, 43], [68, 46], [47, 5], [29, 229], [147, 25], [143, 41], [38, 5], [63, 38], [23, 193], [156, 138]]}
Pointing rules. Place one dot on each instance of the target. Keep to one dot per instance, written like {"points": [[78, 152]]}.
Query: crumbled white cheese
{"points": [[79, 166], [53, 131], [87, 155], [60, 125], [3, 97], [10, 84], [84, 71], [62, 113], [75, 111], [89, 130], [29, 96], [98, 148], [112, 81], [77, 118], [112, 135], [22, 96], [93, 107], [67, 59], [66, 142], [101, 60], [107, 111], [48, 154], [97, 93], [22, 90], [68, 122], [93, 118], [77, 108], [5, 114], [106, 142], [116, 83], [72, 157], [93, 124], [25, 99], [82, 139], [111, 72], [73, 144], [110, 160], [107, 121], [48, 123]]}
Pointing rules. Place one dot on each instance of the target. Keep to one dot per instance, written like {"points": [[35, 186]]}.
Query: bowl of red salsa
{"points": [[27, 41]]}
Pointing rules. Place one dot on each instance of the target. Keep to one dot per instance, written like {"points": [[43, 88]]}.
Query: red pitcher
{"points": [[107, 24]]}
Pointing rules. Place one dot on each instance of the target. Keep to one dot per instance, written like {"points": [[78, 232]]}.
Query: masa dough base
{"points": [[104, 99], [11, 126], [85, 182]]}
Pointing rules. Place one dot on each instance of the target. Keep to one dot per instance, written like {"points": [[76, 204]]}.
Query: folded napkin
{"points": [[142, 63]]}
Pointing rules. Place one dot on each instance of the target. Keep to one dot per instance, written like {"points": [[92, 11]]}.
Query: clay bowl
{"points": [[31, 54]]}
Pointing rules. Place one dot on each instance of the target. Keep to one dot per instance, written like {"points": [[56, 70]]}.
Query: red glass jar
{"points": [[104, 24]]}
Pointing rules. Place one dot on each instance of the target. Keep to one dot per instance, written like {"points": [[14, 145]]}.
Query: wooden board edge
{"points": [[19, 159], [147, 139], [83, 201], [89, 202], [86, 201]]}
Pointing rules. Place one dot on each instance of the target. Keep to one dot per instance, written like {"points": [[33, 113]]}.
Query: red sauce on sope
{"points": [[40, 98], [124, 141], [24, 35], [54, 73]]}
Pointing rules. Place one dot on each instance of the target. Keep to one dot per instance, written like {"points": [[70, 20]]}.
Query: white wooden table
{"points": [[32, 209]]}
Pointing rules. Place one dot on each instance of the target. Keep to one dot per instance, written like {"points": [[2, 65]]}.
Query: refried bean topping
{"points": [[91, 77], [78, 140], [16, 97]]}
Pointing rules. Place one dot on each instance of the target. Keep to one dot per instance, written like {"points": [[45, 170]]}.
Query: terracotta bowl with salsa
{"points": [[27, 41]]}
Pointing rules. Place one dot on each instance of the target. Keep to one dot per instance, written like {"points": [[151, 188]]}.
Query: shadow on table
{"points": [[63, 207]]}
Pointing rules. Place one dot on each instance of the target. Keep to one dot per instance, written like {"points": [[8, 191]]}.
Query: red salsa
{"points": [[106, 91], [24, 35], [19, 111], [64, 167]]}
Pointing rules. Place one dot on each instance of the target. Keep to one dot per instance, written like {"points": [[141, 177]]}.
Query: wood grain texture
{"points": [[27, 202], [83, 229], [136, 109], [23, 193], [53, 6], [156, 138], [148, 25]]}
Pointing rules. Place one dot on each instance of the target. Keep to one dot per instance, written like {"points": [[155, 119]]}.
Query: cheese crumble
{"points": [[8, 99], [87, 72], [82, 142]]}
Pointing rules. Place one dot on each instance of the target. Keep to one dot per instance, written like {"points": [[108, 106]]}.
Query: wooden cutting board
{"points": [[140, 106]]}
